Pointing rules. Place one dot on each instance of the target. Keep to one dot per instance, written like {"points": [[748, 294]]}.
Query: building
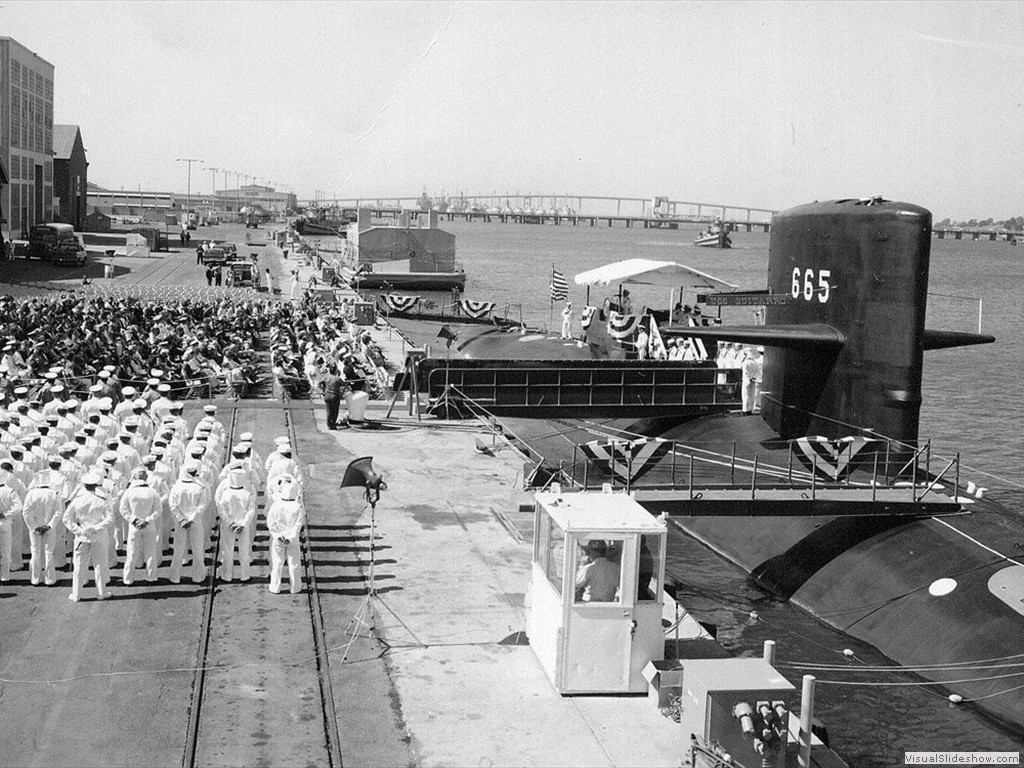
{"points": [[70, 175], [154, 206], [97, 221], [4, 181], [252, 196], [424, 247], [26, 136], [132, 204]]}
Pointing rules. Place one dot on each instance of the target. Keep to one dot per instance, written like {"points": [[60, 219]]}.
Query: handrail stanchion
{"points": [[913, 477], [732, 465], [629, 472], [814, 475], [689, 490], [675, 446], [874, 479], [586, 475], [956, 488], [753, 478], [574, 447], [928, 457], [789, 467], [888, 446]]}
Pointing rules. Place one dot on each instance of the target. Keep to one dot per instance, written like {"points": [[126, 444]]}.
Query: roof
{"points": [[649, 272], [611, 512], [64, 141]]}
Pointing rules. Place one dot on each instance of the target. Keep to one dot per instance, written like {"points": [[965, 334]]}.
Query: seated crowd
{"points": [[308, 341], [196, 346]]}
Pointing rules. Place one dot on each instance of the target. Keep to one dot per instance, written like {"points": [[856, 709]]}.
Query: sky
{"points": [[744, 104]]}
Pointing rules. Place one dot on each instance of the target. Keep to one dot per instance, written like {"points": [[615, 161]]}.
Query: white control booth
{"points": [[595, 599]]}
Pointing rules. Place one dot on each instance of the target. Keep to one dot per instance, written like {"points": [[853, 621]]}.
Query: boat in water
{"points": [[827, 495], [323, 223], [717, 236]]}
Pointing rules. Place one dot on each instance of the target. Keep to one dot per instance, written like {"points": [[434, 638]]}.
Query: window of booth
{"points": [[649, 558], [550, 552], [598, 571]]}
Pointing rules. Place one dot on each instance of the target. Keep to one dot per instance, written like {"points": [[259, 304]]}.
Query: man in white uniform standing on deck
{"points": [[140, 507], [237, 507], [284, 519], [89, 515], [42, 510], [10, 509], [752, 379], [189, 498]]}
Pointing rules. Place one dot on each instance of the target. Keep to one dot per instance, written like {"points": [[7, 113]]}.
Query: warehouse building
{"points": [[26, 137]]}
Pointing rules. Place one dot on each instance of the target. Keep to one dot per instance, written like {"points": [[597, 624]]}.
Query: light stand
{"points": [[445, 404], [359, 473]]}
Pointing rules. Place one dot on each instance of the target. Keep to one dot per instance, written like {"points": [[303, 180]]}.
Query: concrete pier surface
{"points": [[436, 674]]}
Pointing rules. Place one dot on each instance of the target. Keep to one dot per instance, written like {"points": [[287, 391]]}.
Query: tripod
{"points": [[364, 615], [445, 404]]}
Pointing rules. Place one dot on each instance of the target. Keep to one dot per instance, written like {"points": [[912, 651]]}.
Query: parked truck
{"points": [[57, 243]]}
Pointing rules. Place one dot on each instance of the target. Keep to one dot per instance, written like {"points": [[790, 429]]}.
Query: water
{"points": [[969, 406]]}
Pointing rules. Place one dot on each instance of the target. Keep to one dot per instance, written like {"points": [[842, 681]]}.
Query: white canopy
{"points": [[648, 272]]}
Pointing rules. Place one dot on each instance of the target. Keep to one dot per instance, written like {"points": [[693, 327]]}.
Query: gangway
{"points": [[577, 388]]}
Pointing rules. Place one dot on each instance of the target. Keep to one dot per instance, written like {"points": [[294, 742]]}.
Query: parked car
{"points": [[244, 274], [215, 256], [69, 252]]}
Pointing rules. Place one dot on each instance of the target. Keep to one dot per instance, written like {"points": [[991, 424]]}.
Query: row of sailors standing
{"points": [[100, 491]]}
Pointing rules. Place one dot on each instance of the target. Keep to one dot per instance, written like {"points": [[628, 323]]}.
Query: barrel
{"points": [[356, 404]]}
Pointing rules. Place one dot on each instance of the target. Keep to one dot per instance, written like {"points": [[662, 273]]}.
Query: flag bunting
{"points": [[476, 309], [398, 303], [587, 317], [622, 327]]}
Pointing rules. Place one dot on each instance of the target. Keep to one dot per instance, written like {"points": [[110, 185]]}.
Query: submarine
{"points": [[935, 582]]}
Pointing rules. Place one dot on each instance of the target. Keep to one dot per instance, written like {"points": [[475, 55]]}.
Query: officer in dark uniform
{"points": [[332, 386]]}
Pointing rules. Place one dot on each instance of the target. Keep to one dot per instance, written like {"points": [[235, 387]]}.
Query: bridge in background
{"points": [[592, 210], [563, 205]]}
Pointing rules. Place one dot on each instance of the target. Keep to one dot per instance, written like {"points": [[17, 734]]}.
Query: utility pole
{"points": [[213, 188], [188, 194], [238, 188]]}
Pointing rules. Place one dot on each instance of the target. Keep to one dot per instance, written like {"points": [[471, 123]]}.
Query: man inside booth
{"points": [[597, 580]]}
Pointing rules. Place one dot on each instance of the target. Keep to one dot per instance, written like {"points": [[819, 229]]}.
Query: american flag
{"points": [[559, 286]]}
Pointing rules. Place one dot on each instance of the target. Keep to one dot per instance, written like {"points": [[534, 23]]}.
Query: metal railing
{"points": [[692, 468]]}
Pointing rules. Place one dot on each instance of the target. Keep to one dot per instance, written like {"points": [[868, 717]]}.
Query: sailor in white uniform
{"points": [[237, 507], [188, 499], [88, 517], [284, 519], [752, 364]]}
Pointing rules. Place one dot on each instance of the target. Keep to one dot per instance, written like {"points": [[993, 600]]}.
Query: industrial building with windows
{"points": [[26, 137]]}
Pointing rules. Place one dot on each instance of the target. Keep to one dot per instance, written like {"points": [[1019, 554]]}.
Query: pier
{"points": [[993, 235]]}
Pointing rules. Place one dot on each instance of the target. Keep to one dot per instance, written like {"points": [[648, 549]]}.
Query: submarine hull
{"points": [[941, 595]]}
